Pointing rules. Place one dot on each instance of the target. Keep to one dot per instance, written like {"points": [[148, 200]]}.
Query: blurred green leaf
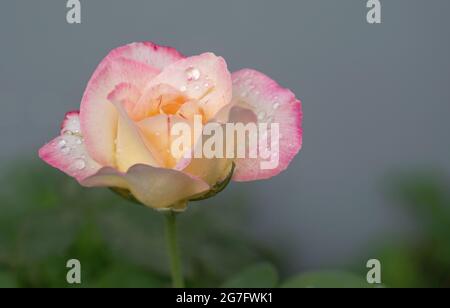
{"points": [[400, 267], [136, 234], [47, 233], [7, 280], [327, 279], [427, 194], [263, 275], [128, 277], [57, 220], [423, 261]]}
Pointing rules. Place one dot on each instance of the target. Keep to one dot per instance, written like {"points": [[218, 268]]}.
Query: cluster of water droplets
{"points": [[65, 147], [248, 89], [194, 79], [79, 164], [193, 74], [268, 115]]}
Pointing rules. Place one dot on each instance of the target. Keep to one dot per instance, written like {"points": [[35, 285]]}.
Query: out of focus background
{"points": [[371, 182]]}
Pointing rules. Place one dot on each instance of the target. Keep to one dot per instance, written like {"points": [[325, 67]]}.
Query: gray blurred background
{"points": [[376, 98]]}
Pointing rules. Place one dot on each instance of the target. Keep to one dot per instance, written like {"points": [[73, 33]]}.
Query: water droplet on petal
{"points": [[276, 105], [183, 89], [193, 73], [80, 164], [79, 141], [65, 149]]}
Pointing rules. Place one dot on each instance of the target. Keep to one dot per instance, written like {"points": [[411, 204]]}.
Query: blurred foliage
{"points": [[327, 279], [46, 218], [262, 275], [423, 261]]}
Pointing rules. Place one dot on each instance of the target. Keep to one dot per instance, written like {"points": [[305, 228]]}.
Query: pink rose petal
{"points": [[269, 103], [67, 152], [149, 53], [204, 78], [135, 64]]}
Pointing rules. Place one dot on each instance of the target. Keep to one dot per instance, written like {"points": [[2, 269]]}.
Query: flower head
{"points": [[122, 137]]}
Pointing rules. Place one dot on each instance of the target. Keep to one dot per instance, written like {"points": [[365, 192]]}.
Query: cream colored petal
{"points": [[158, 188]]}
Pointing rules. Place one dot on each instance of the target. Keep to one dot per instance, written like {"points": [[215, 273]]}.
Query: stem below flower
{"points": [[172, 248]]}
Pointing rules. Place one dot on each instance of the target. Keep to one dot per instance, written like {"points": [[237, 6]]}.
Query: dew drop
{"points": [[276, 105], [62, 143], [65, 149], [193, 73], [79, 141], [183, 89], [80, 164]]}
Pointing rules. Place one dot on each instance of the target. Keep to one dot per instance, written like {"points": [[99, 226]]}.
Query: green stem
{"points": [[172, 248]]}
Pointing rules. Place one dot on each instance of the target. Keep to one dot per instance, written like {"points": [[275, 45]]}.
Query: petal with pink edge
{"points": [[148, 53], [67, 152], [204, 78], [158, 188], [98, 117], [264, 101]]}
